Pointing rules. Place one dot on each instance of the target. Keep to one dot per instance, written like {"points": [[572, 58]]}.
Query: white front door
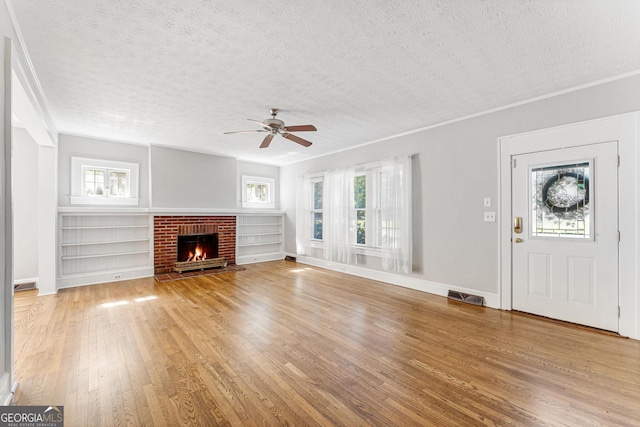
{"points": [[565, 234]]}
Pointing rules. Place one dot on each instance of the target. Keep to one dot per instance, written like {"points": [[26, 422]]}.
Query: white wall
{"points": [[455, 167], [184, 179], [25, 206], [78, 146]]}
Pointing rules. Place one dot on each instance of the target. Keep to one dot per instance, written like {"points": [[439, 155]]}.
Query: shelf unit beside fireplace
{"points": [[259, 238], [95, 248]]}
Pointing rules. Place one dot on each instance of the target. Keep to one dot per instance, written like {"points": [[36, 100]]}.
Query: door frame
{"points": [[622, 128]]}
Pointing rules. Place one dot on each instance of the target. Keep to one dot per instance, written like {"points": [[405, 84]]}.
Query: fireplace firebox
{"points": [[197, 248]]}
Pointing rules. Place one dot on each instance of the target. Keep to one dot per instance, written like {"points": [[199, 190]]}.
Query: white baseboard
{"points": [[436, 288], [94, 279], [250, 259]]}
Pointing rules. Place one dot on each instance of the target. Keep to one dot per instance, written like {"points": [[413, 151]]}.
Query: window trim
{"points": [[271, 185], [79, 164]]}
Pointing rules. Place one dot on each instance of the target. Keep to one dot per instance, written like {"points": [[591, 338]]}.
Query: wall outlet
{"points": [[489, 217], [117, 276], [487, 202]]}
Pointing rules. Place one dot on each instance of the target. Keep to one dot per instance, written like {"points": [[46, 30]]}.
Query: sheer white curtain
{"points": [[395, 214], [339, 227], [303, 214]]}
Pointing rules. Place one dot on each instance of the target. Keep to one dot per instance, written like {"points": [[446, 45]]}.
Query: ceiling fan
{"points": [[276, 127]]}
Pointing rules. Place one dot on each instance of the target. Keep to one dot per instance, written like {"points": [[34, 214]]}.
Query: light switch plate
{"points": [[489, 217], [487, 202]]}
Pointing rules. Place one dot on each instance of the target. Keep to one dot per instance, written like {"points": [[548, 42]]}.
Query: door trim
{"points": [[622, 128]]}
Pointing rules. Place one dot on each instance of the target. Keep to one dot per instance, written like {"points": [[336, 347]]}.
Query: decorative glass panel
{"points": [[317, 195], [361, 226], [360, 191], [118, 184], [317, 225], [94, 182], [360, 203], [560, 201], [257, 192]]}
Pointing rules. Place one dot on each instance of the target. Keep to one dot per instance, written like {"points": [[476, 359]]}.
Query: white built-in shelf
{"points": [[279, 242], [96, 244], [259, 237], [64, 245], [104, 255], [278, 233], [104, 227]]}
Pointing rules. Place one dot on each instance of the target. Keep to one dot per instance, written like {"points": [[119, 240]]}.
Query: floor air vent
{"points": [[290, 258], [24, 286], [462, 297]]}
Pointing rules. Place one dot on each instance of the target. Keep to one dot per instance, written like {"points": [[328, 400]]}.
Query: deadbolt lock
{"points": [[517, 225]]}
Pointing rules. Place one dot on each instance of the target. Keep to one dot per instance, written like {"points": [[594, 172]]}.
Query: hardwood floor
{"points": [[282, 343]]}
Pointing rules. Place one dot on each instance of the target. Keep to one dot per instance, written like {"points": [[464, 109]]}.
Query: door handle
{"points": [[519, 240], [517, 225]]}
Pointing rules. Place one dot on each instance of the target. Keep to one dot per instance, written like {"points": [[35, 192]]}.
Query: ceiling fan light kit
{"points": [[276, 127]]}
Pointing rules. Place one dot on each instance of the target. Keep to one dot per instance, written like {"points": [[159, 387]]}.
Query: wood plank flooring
{"points": [[282, 343]]}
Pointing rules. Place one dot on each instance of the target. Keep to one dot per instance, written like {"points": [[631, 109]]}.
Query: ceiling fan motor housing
{"points": [[274, 123]]}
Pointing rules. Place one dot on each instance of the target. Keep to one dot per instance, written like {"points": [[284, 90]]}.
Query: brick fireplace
{"points": [[165, 237]]}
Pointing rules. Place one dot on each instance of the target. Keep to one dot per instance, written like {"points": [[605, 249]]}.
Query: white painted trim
{"points": [[29, 118], [622, 128], [212, 211], [167, 211], [436, 288], [102, 277], [23, 281], [84, 210], [22, 60], [104, 201], [7, 336]]}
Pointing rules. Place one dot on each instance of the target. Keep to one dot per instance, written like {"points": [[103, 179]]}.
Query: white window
{"points": [[316, 209], [103, 182], [365, 207], [359, 211], [258, 192], [366, 195]]}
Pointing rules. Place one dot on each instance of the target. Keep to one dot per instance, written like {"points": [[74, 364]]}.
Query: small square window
{"points": [[258, 192], [103, 182]]}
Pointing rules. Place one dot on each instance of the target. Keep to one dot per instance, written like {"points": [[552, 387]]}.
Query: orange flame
{"points": [[199, 255]]}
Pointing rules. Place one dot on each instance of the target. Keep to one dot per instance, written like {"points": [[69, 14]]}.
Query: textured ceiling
{"points": [[181, 72]]}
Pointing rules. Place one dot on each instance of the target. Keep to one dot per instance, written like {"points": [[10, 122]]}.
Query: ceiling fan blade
{"points": [[296, 139], [266, 141], [246, 131], [301, 128], [258, 122]]}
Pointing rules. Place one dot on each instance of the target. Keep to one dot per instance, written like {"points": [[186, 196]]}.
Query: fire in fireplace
{"points": [[197, 247]]}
